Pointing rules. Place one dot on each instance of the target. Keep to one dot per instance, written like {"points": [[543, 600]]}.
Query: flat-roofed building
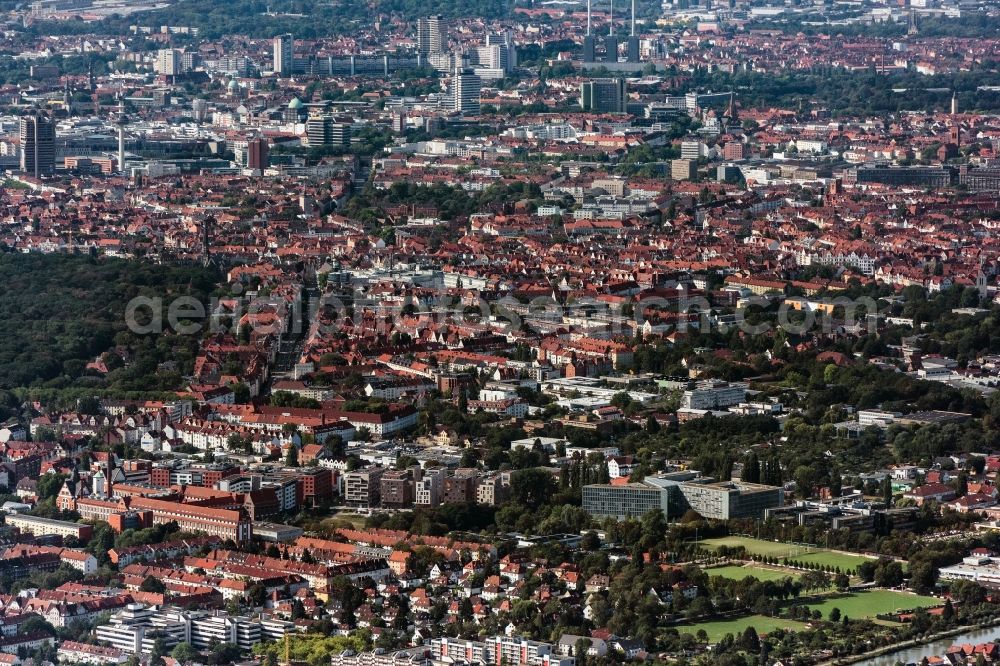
{"points": [[363, 487], [48, 527]]}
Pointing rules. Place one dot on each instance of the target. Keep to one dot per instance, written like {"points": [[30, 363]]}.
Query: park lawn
{"points": [[869, 603], [717, 629], [845, 561], [760, 573]]}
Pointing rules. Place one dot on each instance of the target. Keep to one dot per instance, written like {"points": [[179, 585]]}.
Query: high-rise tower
{"points": [[120, 122], [588, 40], [466, 88], [430, 35], [633, 40], [611, 43], [283, 59], [38, 144]]}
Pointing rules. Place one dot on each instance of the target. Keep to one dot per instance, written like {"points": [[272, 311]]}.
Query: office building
{"points": [[283, 61], [683, 169], [199, 109], [168, 62], [39, 526], [324, 130], [729, 499], [363, 487], [466, 88], [136, 628], [429, 487], [921, 176], [460, 486], [692, 150], [678, 492], [258, 154], [210, 630], [232, 524], [734, 150], [589, 49], [501, 52], [397, 489], [713, 393], [632, 500], [603, 95], [38, 145], [430, 35]]}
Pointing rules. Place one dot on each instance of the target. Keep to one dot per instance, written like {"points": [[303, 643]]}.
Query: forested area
{"points": [[968, 25], [856, 93], [59, 312], [263, 19]]}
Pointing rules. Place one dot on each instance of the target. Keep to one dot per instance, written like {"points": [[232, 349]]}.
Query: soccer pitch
{"points": [[737, 572], [717, 629], [847, 562], [870, 603]]}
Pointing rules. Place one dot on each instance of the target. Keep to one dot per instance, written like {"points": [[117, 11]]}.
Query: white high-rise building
{"points": [[168, 62], [199, 108], [430, 35], [502, 45], [284, 55], [466, 88]]}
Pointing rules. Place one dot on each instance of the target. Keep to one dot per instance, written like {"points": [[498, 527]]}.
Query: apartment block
{"points": [[397, 489], [363, 487]]}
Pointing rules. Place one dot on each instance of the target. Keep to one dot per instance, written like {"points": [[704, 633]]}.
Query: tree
{"points": [[948, 612], [36, 623], [153, 584], [241, 393], [101, 541], [49, 485], [836, 483], [887, 491], [923, 576], [238, 443], [750, 641], [751, 468], [292, 457], [889, 574], [805, 480], [531, 487], [834, 614], [580, 649], [866, 571], [652, 425], [224, 653]]}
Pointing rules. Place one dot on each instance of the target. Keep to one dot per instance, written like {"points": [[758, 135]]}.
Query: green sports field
{"points": [[871, 603], [866, 604], [788, 551], [716, 629], [759, 547], [845, 561], [760, 573]]}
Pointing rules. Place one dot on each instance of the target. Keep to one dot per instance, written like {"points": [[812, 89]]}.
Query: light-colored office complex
{"points": [[714, 394], [678, 492]]}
